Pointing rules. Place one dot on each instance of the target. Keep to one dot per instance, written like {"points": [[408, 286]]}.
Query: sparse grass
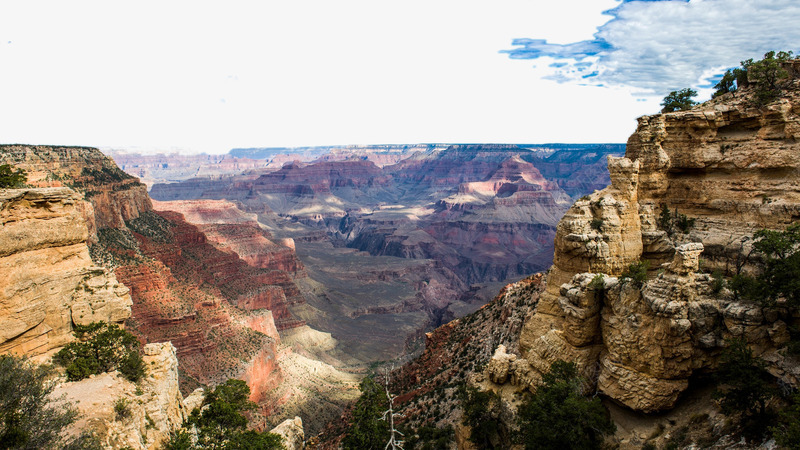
{"points": [[122, 409]]}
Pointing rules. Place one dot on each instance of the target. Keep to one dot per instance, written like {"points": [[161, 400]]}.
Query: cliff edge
{"points": [[49, 282], [720, 172]]}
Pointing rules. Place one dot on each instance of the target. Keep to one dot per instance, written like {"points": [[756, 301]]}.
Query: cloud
{"points": [[657, 46]]}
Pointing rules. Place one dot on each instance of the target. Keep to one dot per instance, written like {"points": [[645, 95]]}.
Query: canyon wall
{"points": [[114, 195], [730, 167]]}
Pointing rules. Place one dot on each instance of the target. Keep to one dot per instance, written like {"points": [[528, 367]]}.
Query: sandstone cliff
{"points": [[49, 281], [114, 195], [730, 167]]}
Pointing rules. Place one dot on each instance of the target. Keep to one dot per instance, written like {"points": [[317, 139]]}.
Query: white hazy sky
{"points": [[208, 76]]}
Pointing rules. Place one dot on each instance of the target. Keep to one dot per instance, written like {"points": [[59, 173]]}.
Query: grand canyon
{"points": [[442, 270]]}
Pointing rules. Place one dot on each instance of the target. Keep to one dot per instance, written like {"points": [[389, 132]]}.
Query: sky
{"points": [[203, 76]]}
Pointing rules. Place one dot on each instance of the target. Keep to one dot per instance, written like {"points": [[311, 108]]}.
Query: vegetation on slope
{"points": [[367, 430], [559, 416], [428, 388], [219, 423], [30, 418], [101, 347]]}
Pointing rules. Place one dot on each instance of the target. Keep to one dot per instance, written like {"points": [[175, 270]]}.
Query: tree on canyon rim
{"points": [[220, 424], [367, 430], [679, 100]]}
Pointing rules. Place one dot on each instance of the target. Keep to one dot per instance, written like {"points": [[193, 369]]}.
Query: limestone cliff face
{"points": [[731, 167], [48, 281]]}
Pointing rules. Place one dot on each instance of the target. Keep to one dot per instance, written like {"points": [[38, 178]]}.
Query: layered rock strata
{"points": [[114, 196], [49, 281]]}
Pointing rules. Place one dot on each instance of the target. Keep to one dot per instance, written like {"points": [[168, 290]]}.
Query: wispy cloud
{"points": [[661, 45]]}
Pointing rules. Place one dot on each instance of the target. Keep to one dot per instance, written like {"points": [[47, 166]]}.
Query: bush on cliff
{"points": [[779, 277], [367, 430], [558, 416], [101, 348], [730, 81], [767, 75], [482, 415], [787, 430], [10, 178], [745, 388], [636, 273], [29, 417], [220, 424]]}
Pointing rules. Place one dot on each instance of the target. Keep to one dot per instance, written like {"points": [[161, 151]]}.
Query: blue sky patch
{"points": [[657, 46]]}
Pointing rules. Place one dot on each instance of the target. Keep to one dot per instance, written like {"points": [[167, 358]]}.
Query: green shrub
{"points": [[684, 223], [481, 415], [718, 282], [10, 178], [665, 219], [558, 416], [744, 388], [636, 273], [220, 423], [30, 418], [598, 282], [431, 438], [101, 348], [768, 75], [787, 430], [366, 429], [730, 81], [122, 408], [780, 268], [597, 224]]}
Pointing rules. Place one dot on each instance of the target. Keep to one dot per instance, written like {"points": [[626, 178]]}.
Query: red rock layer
{"points": [[211, 343], [192, 258], [297, 178], [255, 246]]}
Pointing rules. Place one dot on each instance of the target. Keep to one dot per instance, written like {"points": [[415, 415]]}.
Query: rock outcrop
{"points": [[153, 408], [291, 433], [731, 169], [49, 281]]}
